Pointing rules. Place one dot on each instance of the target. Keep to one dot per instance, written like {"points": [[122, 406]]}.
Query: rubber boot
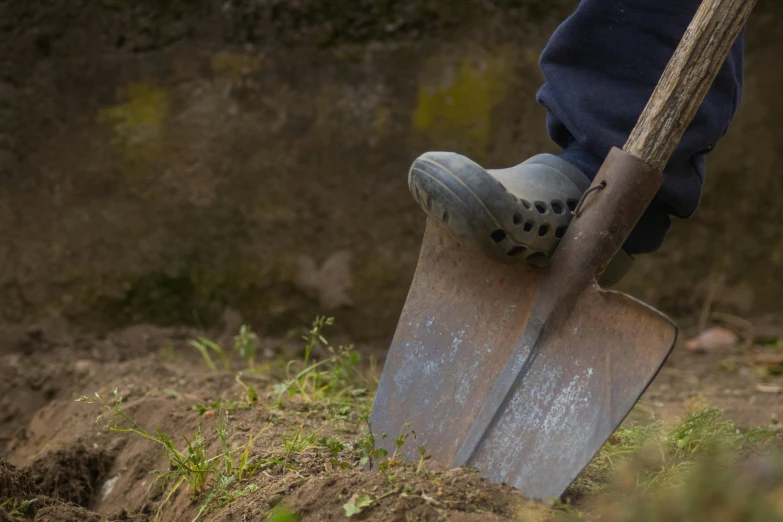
{"points": [[514, 215]]}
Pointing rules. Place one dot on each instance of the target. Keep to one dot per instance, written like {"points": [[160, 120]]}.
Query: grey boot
{"points": [[511, 215]]}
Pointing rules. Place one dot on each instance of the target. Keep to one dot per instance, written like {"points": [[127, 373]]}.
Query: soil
{"points": [[73, 474], [15, 482], [54, 451]]}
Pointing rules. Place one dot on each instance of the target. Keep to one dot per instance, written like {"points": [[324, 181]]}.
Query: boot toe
{"points": [[477, 209]]}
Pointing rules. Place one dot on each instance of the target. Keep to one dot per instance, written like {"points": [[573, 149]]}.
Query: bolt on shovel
{"points": [[522, 372]]}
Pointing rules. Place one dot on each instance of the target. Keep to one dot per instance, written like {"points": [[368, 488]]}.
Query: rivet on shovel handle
{"points": [[578, 209]]}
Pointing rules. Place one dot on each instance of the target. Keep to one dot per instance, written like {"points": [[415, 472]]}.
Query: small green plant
{"points": [[565, 507], [704, 430], [336, 379], [622, 445], [402, 437], [380, 453], [299, 441], [719, 487], [219, 405], [313, 337], [251, 394], [366, 446], [423, 457], [282, 514], [246, 344], [356, 504], [15, 507], [204, 345], [333, 444], [234, 463], [699, 429], [191, 464], [222, 494], [660, 458], [228, 451]]}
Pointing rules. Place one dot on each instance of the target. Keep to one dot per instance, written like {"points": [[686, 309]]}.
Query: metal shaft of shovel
{"points": [[672, 106]]}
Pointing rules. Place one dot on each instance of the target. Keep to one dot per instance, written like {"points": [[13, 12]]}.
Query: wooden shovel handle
{"points": [[687, 79]]}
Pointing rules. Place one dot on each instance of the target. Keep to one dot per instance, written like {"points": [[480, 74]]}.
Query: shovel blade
{"points": [[464, 318]]}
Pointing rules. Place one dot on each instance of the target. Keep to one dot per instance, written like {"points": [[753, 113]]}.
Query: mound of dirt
{"points": [[16, 483], [24, 500], [62, 512], [72, 474], [66, 513], [280, 445], [19, 495], [407, 495]]}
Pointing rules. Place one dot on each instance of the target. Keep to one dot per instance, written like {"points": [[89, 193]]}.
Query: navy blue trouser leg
{"points": [[601, 66]]}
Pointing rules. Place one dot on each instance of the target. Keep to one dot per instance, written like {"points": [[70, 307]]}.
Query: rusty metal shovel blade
{"points": [[464, 319]]}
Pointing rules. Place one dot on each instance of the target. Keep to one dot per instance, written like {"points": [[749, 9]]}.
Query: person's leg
{"points": [[601, 65]]}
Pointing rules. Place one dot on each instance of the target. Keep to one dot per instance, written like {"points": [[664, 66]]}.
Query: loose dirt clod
{"points": [[404, 495], [16, 483], [66, 513], [19, 496], [72, 474]]}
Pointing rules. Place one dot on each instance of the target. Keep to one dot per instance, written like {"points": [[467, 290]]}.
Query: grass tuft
{"points": [[648, 457], [246, 344], [336, 383], [204, 346], [192, 464], [15, 507]]}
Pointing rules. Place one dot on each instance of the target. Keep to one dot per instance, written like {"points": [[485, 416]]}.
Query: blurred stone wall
{"points": [[163, 160]]}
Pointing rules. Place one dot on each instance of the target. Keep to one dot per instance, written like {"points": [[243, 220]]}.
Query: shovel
{"points": [[523, 372]]}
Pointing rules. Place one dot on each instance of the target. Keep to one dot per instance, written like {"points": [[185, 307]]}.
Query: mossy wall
{"points": [[160, 161]]}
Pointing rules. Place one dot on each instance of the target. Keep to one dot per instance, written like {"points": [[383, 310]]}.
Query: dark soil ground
{"points": [[304, 450]]}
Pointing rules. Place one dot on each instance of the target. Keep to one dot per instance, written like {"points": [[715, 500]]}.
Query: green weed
{"points": [[336, 381], [357, 504], [222, 494], [715, 489], [704, 430], [15, 507], [204, 345], [622, 445], [365, 445], [222, 405], [282, 514], [191, 464], [250, 398], [313, 337], [299, 441], [246, 344], [652, 457], [251, 394], [333, 444], [423, 457]]}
